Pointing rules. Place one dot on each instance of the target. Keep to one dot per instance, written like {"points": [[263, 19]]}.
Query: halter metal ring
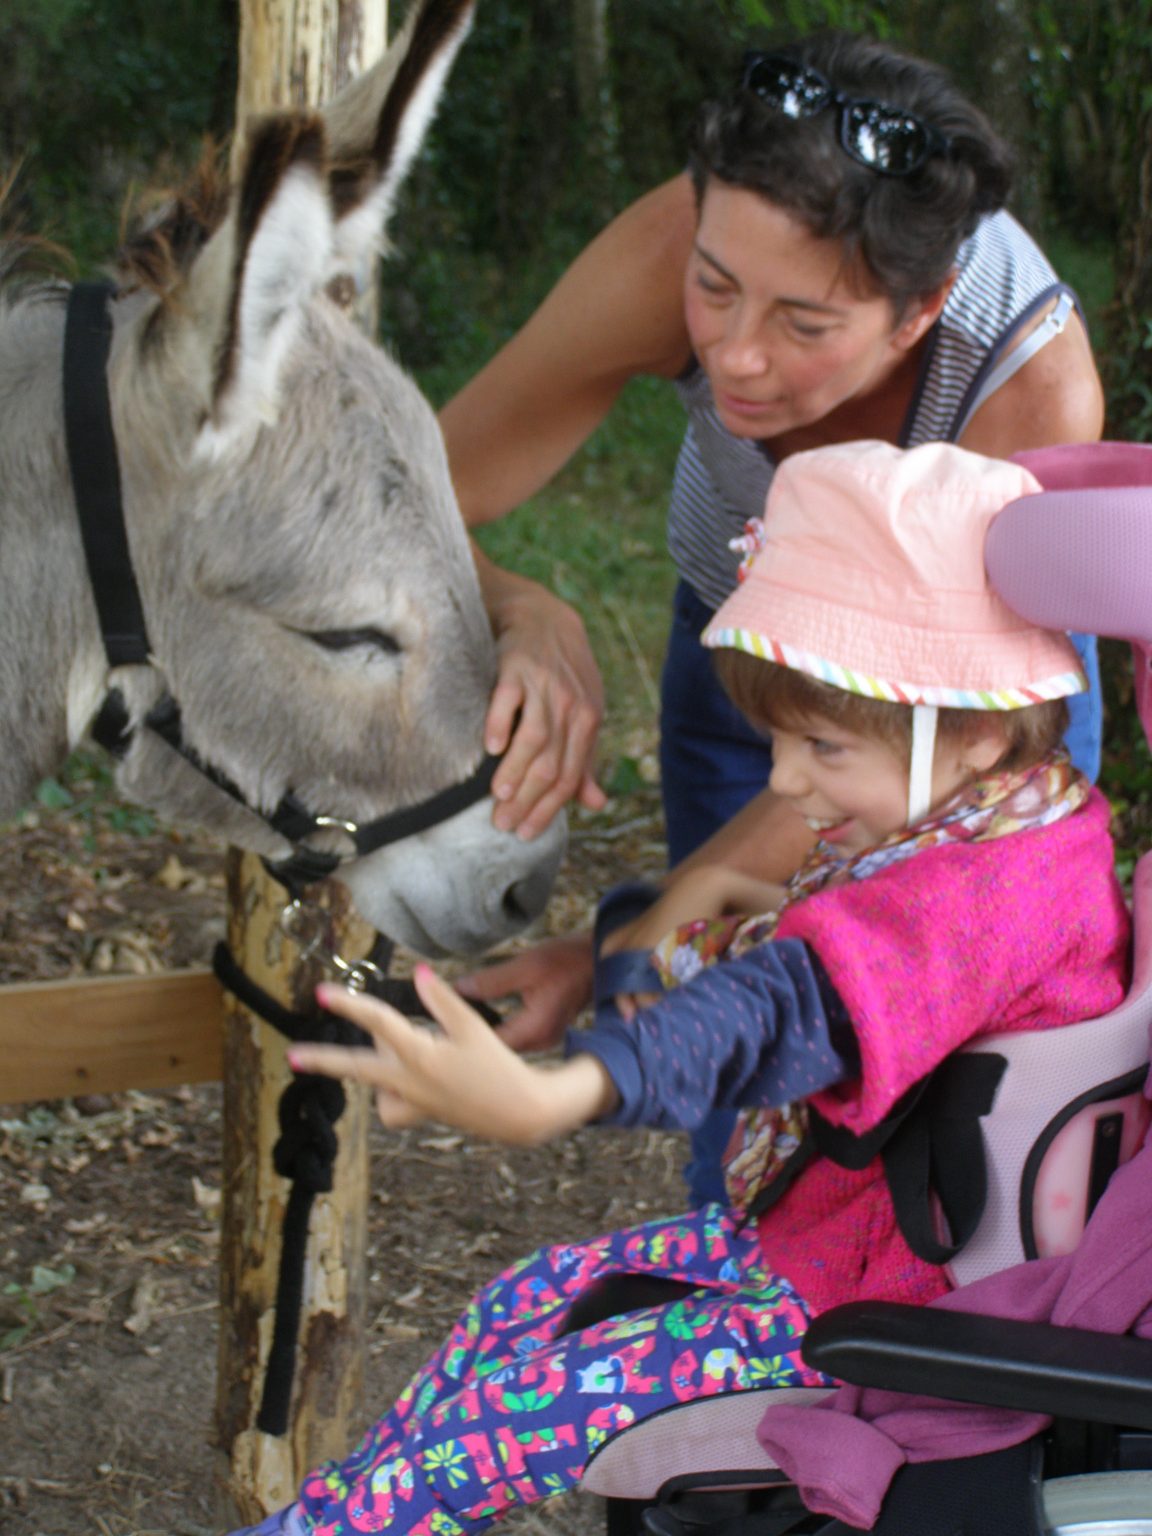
{"points": [[351, 828], [305, 927], [357, 974]]}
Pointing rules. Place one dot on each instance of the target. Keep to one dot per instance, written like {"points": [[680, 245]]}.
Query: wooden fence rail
{"points": [[109, 1033]]}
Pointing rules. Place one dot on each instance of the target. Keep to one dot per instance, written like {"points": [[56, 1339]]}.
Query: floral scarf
{"points": [[996, 806]]}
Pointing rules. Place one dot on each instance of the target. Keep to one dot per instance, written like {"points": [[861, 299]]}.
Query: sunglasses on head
{"points": [[886, 139]]}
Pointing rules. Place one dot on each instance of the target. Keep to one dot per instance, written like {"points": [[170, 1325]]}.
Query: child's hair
{"points": [[769, 695]]}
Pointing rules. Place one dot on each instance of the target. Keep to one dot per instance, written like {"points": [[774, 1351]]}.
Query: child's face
{"points": [[852, 790]]}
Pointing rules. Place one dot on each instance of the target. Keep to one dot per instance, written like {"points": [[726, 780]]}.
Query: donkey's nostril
{"points": [[524, 900]]}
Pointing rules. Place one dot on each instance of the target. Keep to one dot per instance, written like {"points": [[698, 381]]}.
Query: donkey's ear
{"points": [[279, 238], [377, 125]]}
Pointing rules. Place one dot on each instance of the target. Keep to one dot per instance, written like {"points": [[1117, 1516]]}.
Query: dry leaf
{"points": [[173, 875], [143, 1306], [207, 1198]]}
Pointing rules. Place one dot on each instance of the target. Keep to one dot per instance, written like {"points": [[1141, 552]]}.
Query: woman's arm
{"points": [[616, 313], [765, 840]]}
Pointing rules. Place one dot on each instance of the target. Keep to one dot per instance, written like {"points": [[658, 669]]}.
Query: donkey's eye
{"points": [[350, 639]]}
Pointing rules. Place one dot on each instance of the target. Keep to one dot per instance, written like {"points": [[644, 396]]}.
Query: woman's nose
{"points": [[742, 351]]}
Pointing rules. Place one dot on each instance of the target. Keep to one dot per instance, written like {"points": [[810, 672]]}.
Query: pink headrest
{"points": [[1078, 559], [1088, 466], [1079, 555]]}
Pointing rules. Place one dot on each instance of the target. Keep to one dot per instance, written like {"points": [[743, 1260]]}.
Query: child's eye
{"points": [[823, 747]]}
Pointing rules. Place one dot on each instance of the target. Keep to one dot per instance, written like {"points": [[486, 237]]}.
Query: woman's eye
{"points": [[808, 332], [350, 639]]}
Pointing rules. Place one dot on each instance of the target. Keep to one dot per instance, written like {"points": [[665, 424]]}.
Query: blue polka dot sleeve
{"points": [[763, 1029]]}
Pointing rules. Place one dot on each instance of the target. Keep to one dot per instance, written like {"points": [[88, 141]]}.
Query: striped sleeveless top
{"points": [[1002, 280]]}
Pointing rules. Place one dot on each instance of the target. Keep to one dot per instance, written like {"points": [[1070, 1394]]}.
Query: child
{"points": [[963, 883]]}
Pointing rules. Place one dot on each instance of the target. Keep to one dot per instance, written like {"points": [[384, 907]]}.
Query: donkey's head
{"points": [[308, 590]]}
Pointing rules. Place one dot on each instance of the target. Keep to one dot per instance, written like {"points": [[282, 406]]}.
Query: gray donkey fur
{"points": [[284, 483]]}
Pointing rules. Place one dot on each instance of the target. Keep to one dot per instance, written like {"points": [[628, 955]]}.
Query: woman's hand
{"points": [[465, 1076], [545, 711], [553, 980]]}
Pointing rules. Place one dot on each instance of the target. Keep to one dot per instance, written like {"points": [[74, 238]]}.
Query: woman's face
{"points": [[777, 321]]}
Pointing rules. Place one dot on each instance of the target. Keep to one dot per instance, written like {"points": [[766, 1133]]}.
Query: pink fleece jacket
{"points": [[1028, 932]]}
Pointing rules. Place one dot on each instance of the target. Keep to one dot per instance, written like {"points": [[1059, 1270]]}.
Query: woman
{"points": [[837, 265]]}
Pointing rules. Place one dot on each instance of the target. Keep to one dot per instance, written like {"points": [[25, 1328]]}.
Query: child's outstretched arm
{"points": [[466, 1076]]}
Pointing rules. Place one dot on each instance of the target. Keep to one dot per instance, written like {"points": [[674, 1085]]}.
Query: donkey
{"points": [[305, 585]]}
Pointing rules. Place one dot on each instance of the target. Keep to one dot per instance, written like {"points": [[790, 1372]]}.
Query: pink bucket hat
{"points": [[868, 573]]}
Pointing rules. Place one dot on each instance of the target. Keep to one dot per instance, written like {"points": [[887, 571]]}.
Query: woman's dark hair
{"points": [[901, 233]]}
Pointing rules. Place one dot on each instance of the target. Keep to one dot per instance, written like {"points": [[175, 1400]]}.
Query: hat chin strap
{"points": [[920, 770]]}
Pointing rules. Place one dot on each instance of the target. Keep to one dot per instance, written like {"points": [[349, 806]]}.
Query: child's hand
{"points": [[466, 1077]]}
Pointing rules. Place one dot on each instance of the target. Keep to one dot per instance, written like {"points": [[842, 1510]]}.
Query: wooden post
{"points": [[261, 1472], [292, 53]]}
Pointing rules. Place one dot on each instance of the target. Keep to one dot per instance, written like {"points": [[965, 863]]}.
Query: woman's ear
{"points": [[922, 314]]}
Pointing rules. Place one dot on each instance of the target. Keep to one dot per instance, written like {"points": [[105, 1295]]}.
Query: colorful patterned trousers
{"points": [[510, 1408]]}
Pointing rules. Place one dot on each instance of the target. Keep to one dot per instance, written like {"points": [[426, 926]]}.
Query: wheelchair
{"points": [[1071, 1108]]}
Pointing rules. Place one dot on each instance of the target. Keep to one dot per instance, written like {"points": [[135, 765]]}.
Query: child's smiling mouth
{"points": [[822, 824]]}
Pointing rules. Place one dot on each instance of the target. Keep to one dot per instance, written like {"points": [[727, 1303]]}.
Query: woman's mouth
{"points": [[737, 405]]}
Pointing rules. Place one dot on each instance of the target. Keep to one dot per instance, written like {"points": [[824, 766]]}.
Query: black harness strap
{"points": [[96, 473], [932, 1149], [409, 820], [294, 822]]}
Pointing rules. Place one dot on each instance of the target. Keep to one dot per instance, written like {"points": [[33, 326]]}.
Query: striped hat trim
{"points": [[1059, 686]]}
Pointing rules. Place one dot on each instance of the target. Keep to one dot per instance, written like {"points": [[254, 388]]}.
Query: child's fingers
{"points": [[386, 1025], [361, 1066], [396, 1113], [456, 1017]]}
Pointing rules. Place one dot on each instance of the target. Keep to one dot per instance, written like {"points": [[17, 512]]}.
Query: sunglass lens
{"points": [[883, 139], [790, 89]]}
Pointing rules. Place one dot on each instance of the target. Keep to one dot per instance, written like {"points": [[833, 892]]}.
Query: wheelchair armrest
{"points": [[1000, 1362]]}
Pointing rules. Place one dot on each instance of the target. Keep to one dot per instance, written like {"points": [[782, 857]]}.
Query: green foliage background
{"points": [[98, 97]]}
